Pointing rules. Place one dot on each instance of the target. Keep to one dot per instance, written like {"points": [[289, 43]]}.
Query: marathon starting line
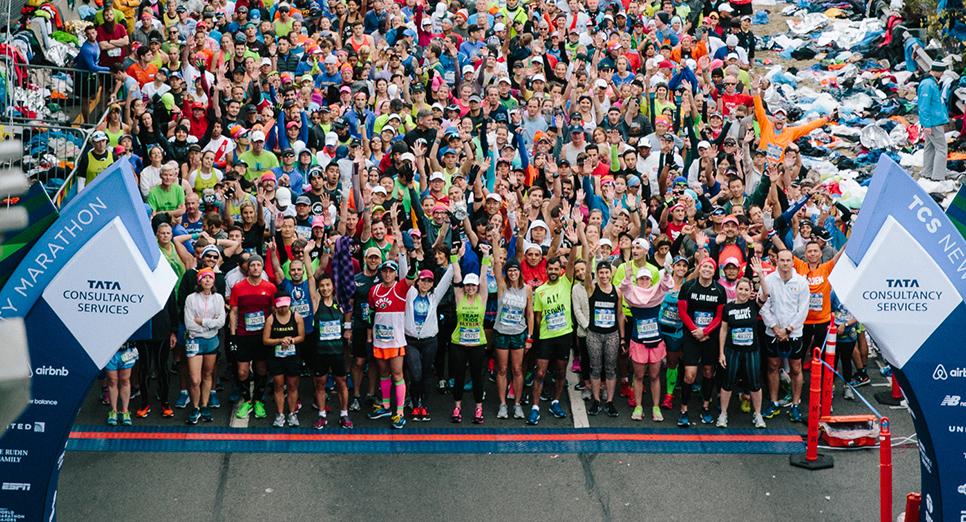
{"points": [[416, 440]]}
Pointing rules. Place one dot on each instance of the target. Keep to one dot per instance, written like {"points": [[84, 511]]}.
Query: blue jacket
{"points": [[932, 106]]}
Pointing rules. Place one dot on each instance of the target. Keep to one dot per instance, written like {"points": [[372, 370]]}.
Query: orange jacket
{"points": [[787, 135]]}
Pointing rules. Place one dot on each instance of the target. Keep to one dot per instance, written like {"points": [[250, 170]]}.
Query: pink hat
{"points": [[318, 221], [283, 301], [426, 274], [268, 176]]}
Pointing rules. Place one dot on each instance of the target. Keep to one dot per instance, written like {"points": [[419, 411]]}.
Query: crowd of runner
{"points": [[394, 198]]}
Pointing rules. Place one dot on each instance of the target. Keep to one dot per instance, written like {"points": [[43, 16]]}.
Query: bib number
{"points": [[129, 355], [365, 311], [703, 319], [556, 321], [254, 321], [604, 317], [469, 335], [773, 153], [647, 328], [284, 350], [383, 333], [114, 53], [669, 316], [302, 309], [511, 317], [742, 336], [192, 347], [815, 302], [329, 330]]}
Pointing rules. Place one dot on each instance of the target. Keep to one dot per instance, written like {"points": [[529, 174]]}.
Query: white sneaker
{"points": [[503, 413], [758, 421], [279, 421], [517, 411], [722, 420], [293, 420], [848, 394]]}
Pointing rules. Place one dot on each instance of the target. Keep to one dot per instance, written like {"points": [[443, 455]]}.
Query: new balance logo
{"points": [[950, 400]]}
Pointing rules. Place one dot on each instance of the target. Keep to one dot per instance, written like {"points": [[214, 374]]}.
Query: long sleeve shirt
{"points": [[430, 326], [210, 308], [649, 296], [787, 304], [88, 57], [932, 105], [786, 136], [581, 306]]}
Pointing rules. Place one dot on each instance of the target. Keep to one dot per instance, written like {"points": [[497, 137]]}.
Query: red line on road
{"points": [[431, 437]]}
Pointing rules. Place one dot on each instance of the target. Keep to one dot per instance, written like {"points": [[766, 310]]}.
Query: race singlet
{"points": [[254, 321]]}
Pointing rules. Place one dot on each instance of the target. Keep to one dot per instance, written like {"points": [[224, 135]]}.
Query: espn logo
{"points": [[15, 486]]}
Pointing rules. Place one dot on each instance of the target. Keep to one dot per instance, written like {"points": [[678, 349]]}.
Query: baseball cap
{"points": [[437, 176], [703, 144], [471, 279], [283, 197], [283, 301], [641, 242], [426, 274], [494, 196], [258, 136], [99, 136], [729, 219], [731, 261], [373, 251], [303, 200], [642, 272]]}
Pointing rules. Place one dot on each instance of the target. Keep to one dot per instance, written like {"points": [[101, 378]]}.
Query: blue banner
{"points": [[904, 277], [92, 279]]}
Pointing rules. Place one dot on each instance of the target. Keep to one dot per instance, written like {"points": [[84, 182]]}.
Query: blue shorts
{"points": [[124, 359], [510, 342], [671, 342], [204, 346]]}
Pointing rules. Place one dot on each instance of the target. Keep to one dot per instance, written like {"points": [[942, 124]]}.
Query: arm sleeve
{"points": [[683, 314], [716, 322]]}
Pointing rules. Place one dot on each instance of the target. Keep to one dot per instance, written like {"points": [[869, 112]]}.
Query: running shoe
{"points": [[586, 394], [758, 421], [668, 401], [417, 414], [795, 414], [112, 418], [683, 421], [213, 401], [354, 405], [279, 420], [244, 410], [345, 423], [773, 410], [260, 410], [580, 386], [193, 417], [745, 406], [637, 414], [557, 410], [706, 416], [378, 412], [206, 415], [478, 415], [656, 414], [126, 418], [611, 410], [457, 416], [786, 400], [534, 417], [425, 412], [594, 408], [626, 390], [575, 365], [166, 410], [503, 412], [398, 421], [518, 411], [528, 378], [182, 401], [441, 386], [143, 412], [848, 394], [860, 379], [293, 420], [320, 422], [722, 420]]}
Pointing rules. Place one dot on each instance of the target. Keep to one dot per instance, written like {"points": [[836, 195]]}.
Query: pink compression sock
{"points": [[384, 387], [400, 395]]}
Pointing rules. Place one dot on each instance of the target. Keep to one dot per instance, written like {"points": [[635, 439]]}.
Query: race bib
{"points": [[254, 321], [365, 311], [329, 330], [604, 317], [192, 347], [669, 315], [282, 351], [114, 53], [815, 301], [703, 319], [469, 335], [773, 153], [383, 333], [303, 309], [129, 355], [647, 328], [556, 321], [742, 336], [511, 317]]}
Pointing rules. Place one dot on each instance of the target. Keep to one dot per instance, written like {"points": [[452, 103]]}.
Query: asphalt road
{"points": [[239, 486]]}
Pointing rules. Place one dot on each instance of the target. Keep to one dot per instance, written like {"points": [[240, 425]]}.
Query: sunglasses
{"points": [[211, 256]]}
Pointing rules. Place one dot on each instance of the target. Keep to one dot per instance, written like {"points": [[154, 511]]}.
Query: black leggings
{"points": [[843, 353], [153, 353], [420, 356], [447, 323], [459, 356]]}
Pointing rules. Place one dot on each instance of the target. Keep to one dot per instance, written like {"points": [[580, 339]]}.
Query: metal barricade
{"points": [[62, 96]]}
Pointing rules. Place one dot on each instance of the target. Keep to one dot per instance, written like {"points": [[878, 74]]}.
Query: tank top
{"points": [[328, 321], [202, 183], [644, 327], [603, 311], [280, 330], [469, 322], [511, 312], [113, 137]]}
